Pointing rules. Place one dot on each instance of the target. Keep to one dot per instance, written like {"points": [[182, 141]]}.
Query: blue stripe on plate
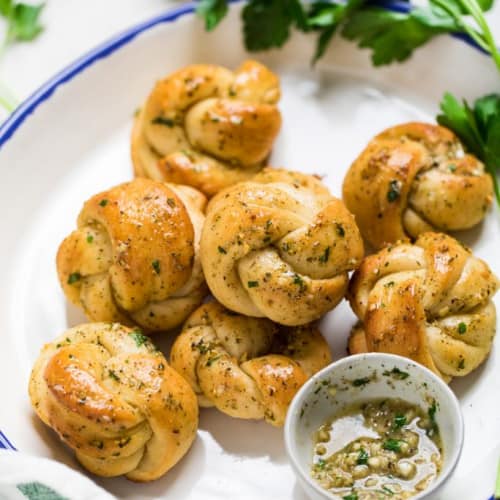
{"points": [[45, 91], [100, 52], [5, 444]]}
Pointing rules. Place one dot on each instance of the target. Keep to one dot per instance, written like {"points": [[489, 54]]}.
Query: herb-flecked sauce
{"points": [[379, 449]]}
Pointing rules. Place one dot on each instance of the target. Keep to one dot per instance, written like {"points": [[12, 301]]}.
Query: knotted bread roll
{"points": [[208, 127], [279, 247], [430, 301], [134, 257], [111, 396], [247, 367], [414, 178]]}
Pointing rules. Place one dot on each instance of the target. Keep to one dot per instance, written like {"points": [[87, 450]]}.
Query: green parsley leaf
{"points": [[326, 255], [394, 191], [359, 382], [74, 278], [156, 266], [396, 373], [362, 457], [139, 337], [478, 127], [267, 23], [253, 284], [392, 36], [399, 421], [462, 328], [392, 445], [23, 20], [351, 496], [221, 249], [213, 11], [320, 464]]}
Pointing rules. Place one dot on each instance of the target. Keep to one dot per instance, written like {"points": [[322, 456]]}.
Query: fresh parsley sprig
{"points": [[23, 25], [23, 20], [478, 127], [391, 36]]}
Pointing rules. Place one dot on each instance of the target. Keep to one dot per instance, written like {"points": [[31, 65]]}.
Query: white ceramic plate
{"points": [[70, 140]]}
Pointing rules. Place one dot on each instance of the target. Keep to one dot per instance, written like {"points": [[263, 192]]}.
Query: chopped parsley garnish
{"points": [[171, 202], [113, 375], [351, 496], [361, 381], [321, 464], [221, 249], [396, 373], [139, 337], [462, 328], [74, 277], [394, 191], [432, 411], [201, 346], [253, 284], [97, 443], [399, 421], [452, 167], [103, 203], [156, 266], [388, 491], [161, 120], [340, 230], [461, 364], [389, 284], [213, 360], [362, 457], [90, 238], [392, 445], [326, 255], [297, 280]]}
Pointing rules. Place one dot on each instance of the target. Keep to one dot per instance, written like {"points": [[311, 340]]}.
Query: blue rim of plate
{"points": [[25, 109]]}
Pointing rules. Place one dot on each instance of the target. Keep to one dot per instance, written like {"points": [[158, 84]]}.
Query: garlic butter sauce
{"points": [[379, 449]]}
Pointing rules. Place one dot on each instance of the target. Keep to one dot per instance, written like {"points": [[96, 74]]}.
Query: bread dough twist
{"points": [[430, 301], [280, 246], [134, 257], [414, 178], [247, 367], [111, 396], [208, 127]]}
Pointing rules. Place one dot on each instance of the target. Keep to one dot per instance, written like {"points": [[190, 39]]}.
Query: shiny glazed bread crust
{"points": [[207, 127], [414, 178], [134, 257], [430, 301], [247, 367], [111, 396], [279, 247]]}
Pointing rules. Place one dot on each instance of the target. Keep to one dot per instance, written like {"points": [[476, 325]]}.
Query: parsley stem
{"points": [[7, 100], [477, 13]]}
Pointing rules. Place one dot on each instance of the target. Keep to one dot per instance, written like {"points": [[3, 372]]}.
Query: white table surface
{"points": [[72, 27]]}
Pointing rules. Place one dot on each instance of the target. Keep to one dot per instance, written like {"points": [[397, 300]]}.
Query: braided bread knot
{"points": [[430, 301], [414, 178], [134, 257], [279, 247], [247, 367], [208, 127], [111, 396]]}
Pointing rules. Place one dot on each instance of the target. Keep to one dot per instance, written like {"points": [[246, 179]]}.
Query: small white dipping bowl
{"points": [[332, 389]]}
